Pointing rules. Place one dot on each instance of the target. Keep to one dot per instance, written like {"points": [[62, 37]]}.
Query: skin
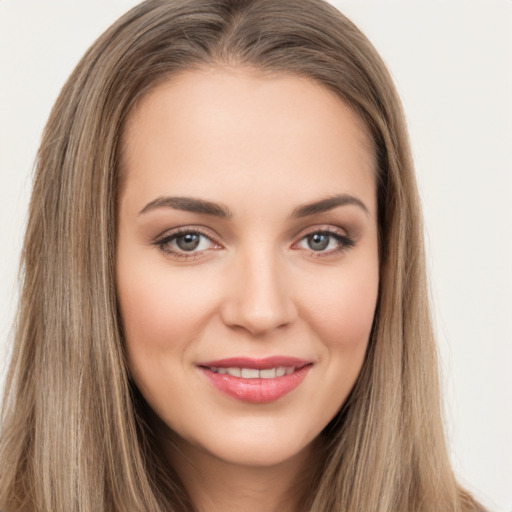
{"points": [[261, 146]]}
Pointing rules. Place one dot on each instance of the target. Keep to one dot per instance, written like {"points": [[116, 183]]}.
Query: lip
{"points": [[256, 390], [255, 363]]}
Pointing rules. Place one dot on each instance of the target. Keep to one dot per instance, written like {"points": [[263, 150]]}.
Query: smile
{"points": [[253, 373], [256, 381]]}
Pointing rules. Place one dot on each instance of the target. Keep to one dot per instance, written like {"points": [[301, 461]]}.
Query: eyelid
{"points": [[345, 240], [324, 228], [170, 234], [185, 228]]}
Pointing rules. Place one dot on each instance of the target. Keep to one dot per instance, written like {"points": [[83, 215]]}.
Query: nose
{"points": [[258, 296]]}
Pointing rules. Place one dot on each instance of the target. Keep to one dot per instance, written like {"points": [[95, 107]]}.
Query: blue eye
{"points": [[325, 242], [318, 241], [188, 241], [183, 244]]}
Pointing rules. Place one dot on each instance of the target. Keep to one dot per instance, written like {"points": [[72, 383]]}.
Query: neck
{"points": [[215, 485]]}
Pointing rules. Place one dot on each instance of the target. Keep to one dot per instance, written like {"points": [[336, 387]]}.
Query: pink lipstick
{"points": [[256, 381]]}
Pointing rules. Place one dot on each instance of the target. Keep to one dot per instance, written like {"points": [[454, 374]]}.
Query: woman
{"points": [[224, 301]]}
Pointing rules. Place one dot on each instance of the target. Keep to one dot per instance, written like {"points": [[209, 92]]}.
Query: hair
{"points": [[76, 435]]}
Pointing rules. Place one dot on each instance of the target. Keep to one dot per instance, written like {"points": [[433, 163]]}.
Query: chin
{"points": [[256, 448], [258, 454]]}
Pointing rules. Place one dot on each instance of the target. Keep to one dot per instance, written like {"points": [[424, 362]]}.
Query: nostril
{"points": [[258, 320]]}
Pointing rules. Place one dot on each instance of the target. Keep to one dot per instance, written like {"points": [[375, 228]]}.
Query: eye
{"points": [[325, 241], [186, 243], [189, 241]]}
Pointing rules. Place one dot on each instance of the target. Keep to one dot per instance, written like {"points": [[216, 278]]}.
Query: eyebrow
{"points": [[328, 204], [194, 205], [189, 204]]}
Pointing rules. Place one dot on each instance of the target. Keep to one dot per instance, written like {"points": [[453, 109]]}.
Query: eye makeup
{"points": [[186, 243], [192, 242]]}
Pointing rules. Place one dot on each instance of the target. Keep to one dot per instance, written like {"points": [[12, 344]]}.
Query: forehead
{"points": [[212, 127]]}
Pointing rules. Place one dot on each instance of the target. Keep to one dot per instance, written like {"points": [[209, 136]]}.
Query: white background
{"points": [[452, 62]]}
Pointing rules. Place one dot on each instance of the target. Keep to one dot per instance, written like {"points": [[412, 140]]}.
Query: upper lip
{"points": [[256, 363]]}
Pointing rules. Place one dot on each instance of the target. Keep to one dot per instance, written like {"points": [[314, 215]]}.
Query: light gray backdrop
{"points": [[451, 61]]}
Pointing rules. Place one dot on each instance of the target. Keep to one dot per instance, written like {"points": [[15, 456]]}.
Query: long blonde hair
{"points": [[75, 435]]}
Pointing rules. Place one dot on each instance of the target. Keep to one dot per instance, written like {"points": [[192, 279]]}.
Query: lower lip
{"points": [[257, 391]]}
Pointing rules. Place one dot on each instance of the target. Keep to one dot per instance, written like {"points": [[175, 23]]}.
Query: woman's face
{"points": [[247, 263]]}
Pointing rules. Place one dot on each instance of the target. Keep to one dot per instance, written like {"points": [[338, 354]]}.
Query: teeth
{"points": [[250, 373], [281, 370], [268, 374], [253, 373]]}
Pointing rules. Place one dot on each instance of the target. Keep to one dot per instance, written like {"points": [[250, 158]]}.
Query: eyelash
{"points": [[344, 242], [163, 243]]}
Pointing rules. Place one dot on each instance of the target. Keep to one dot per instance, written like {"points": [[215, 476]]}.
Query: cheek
{"points": [[161, 315], [339, 310], [342, 311], [342, 314], [161, 308]]}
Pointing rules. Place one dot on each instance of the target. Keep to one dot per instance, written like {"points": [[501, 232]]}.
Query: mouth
{"points": [[253, 373], [256, 381]]}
